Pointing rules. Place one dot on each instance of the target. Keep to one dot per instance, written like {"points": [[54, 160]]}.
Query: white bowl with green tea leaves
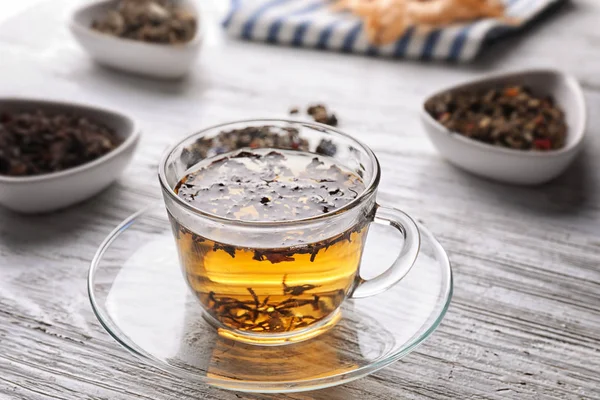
{"points": [[521, 128], [156, 38]]}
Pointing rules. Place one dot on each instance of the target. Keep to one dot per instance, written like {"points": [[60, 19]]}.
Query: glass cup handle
{"points": [[405, 260]]}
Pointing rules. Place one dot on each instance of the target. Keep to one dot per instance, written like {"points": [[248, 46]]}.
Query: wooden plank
{"points": [[525, 321]]}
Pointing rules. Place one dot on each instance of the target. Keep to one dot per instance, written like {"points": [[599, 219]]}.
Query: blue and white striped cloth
{"points": [[311, 23]]}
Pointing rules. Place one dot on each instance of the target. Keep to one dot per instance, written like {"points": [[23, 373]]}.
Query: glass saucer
{"points": [[139, 295]]}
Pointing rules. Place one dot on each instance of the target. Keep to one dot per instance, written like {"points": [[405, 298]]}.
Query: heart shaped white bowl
{"points": [[515, 166], [53, 191], [155, 60]]}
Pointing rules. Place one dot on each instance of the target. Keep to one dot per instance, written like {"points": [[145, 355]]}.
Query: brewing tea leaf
{"points": [[226, 248], [278, 257]]}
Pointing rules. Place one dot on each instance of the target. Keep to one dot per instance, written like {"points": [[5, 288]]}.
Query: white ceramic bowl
{"points": [[515, 166], [155, 60], [53, 191]]}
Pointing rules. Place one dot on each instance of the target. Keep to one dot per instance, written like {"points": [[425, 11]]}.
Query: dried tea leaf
{"points": [[38, 142], [508, 116], [153, 21]]}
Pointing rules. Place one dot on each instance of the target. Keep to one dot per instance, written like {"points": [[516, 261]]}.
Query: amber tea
{"points": [[270, 289]]}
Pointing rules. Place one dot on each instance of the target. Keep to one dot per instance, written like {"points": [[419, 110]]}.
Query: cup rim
{"points": [[370, 187]]}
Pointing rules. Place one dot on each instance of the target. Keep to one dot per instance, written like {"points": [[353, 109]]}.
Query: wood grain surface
{"points": [[525, 320]]}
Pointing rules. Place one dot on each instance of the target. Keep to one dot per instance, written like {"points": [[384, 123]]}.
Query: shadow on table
{"points": [[569, 193], [100, 214], [343, 392], [138, 85], [169, 87]]}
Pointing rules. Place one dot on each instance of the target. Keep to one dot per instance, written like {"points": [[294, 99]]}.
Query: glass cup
{"points": [[273, 283]]}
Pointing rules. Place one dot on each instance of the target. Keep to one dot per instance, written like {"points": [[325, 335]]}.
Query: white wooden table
{"points": [[525, 320]]}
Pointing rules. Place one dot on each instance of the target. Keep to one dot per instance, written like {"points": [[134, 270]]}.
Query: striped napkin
{"points": [[311, 23]]}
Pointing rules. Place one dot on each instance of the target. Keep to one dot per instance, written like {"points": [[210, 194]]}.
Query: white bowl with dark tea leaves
{"points": [[55, 154], [521, 128], [140, 37]]}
